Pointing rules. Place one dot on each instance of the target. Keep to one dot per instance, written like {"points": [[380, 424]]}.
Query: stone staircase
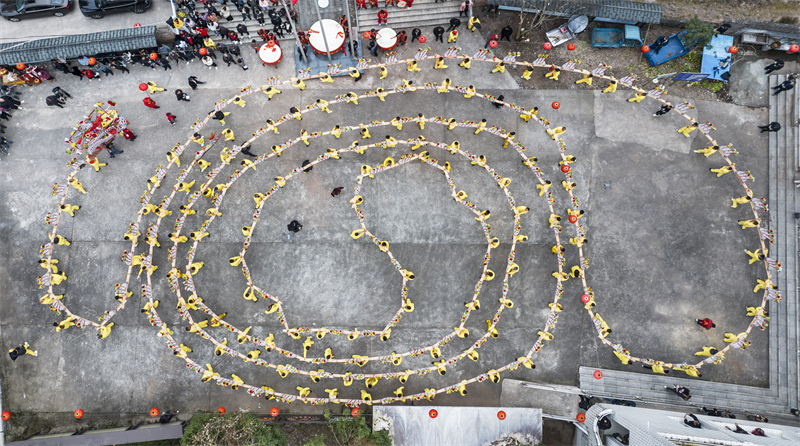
{"points": [[424, 14], [783, 202], [252, 27]]}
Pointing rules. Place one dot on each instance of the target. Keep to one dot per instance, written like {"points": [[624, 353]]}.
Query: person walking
{"points": [[776, 65], [438, 32], [149, 102], [53, 100], [194, 82], [663, 110], [61, 94], [771, 127], [171, 118], [784, 86], [113, 150], [152, 87], [294, 226], [454, 23], [181, 96], [336, 191], [21, 350], [706, 323], [506, 33], [415, 34], [102, 67]]}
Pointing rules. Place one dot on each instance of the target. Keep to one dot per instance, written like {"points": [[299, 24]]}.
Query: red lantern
{"points": [[556, 105], [78, 413], [793, 49], [365, 35], [221, 411], [565, 168], [137, 25], [153, 56], [422, 39], [204, 51], [20, 66], [581, 418], [92, 61], [493, 43], [501, 415], [597, 374], [433, 413], [733, 49], [274, 412], [585, 298], [547, 46], [571, 47], [645, 49], [572, 219], [154, 412], [143, 86], [6, 415], [355, 412]]}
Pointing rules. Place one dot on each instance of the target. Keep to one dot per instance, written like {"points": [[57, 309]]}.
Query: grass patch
{"points": [[231, 430]]}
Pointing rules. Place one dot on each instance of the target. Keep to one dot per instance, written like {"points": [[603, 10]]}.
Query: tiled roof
{"points": [[623, 11], [74, 46]]}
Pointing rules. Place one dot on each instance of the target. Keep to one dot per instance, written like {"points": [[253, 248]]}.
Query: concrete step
{"points": [[423, 13]]}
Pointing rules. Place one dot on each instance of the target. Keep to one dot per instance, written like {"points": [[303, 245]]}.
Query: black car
{"points": [[97, 9], [16, 10]]}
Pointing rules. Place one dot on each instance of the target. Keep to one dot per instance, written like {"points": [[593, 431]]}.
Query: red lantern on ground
{"points": [[20, 66], [793, 49], [645, 49], [493, 43], [422, 39], [92, 61], [365, 35], [501, 415], [202, 51], [547, 46], [137, 25], [571, 47], [6, 415], [154, 412], [585, 298], [143, 86], [581, 418], [153, 56], [597, 374], [433, 413], [733, 49], [78, 413], [274, 412], [355, 412], [221, 411], [572, 219], [565, 168], [556, 105]]}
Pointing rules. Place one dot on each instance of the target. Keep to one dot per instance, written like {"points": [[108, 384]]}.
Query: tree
{"points": [[698, 32], [530, 22]]}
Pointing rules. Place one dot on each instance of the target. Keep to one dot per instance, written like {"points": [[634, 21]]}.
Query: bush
{"points": [[231, 430], [353, 431], [698, 32], [789, 20]]}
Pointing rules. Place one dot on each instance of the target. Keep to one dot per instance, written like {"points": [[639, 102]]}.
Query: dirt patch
{"points": [[717, 11], [623, 61]]}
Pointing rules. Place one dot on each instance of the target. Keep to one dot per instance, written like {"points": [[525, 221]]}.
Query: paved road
{"points": [[665, 247]]}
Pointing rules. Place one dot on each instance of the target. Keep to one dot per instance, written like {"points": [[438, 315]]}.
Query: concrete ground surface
{"points": [[664, 248]]}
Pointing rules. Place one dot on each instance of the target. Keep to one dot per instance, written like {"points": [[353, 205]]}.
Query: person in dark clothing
{"points": [[307, 169], [660, 42], [681, 391], [415, 33], [9, 103], [113, 150], [438, 32], [227, 58], [663, 110], [712, 412], [60, 66], [738, 429], [724, 27], [181, 96], [53, 101], [242, 29], [22, 349], [295, 226], [506, 33], [498, 104], [373, 47], [336, 191], [61, 94], [604, 424], [167, 417], [454, 23], [784, 86], [120, 65], [194, 82], [693, 422], [771, 127]]}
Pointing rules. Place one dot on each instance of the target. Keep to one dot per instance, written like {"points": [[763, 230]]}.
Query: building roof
{"points": [[74, 46], [612, 10]]}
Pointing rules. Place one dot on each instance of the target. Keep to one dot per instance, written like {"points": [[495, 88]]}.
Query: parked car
{"points": [[16, 10], [97, 9]]}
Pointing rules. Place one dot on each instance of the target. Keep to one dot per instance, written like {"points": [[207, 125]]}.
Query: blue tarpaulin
{"points": [[716, 58]]}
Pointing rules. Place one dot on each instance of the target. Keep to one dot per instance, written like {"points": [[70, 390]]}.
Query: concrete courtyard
{"points": [[664, 246]]}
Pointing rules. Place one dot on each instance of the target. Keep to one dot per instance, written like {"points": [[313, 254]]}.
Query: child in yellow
{"points": [[271, 91], [69, 209], [749, 223], [688, 129], [239, 101], [439, 65], [421, 121], [558, 131], [553, 74], [384, 72], [708, 151], [500, 67], [298, 83], [451, 38], [323, 105], [412, 66], [466, 63], [730, 337], [527, 73], [707, 351], [152, 88], [722, 170], [586, 79], [352, 97], [443, 88], [337, 131], [76, 184], [471, 24], [755, 256], [735, 202], [612, 87]]}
